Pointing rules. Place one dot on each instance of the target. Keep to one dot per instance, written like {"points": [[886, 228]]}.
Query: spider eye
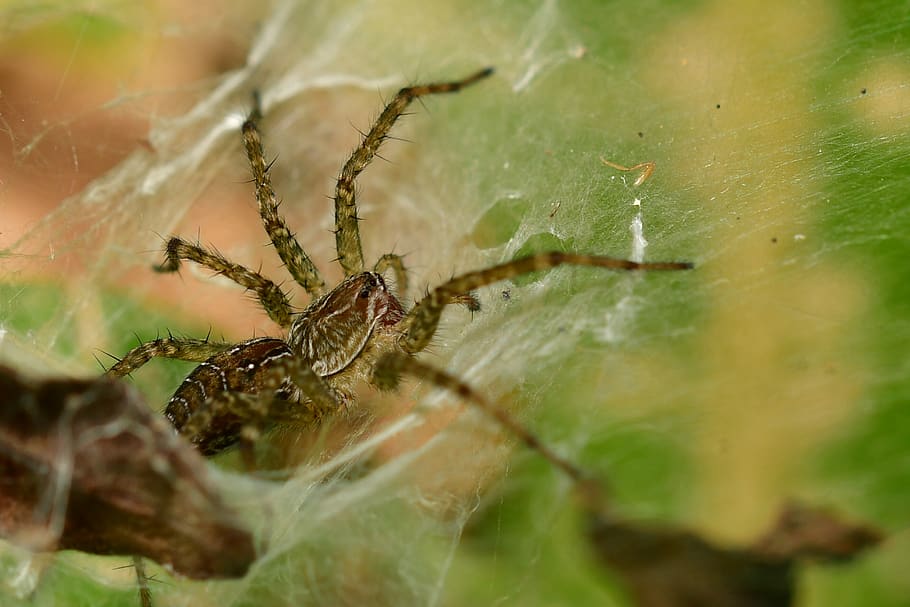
{"points": [[364, 293]]}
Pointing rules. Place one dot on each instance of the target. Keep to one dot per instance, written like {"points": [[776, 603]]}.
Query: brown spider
{"points": [[340, 337]]}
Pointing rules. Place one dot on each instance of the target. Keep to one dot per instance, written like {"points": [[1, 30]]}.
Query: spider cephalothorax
{"points": [[359, 319], [341, 336]]}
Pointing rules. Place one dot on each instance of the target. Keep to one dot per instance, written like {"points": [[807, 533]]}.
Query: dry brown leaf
{"points": [[85, 465]]}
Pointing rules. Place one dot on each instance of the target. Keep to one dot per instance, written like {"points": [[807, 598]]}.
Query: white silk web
{"points": [[420, 500]]}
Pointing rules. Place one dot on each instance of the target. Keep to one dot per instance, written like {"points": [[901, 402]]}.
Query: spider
{"points": [[339, 339]]}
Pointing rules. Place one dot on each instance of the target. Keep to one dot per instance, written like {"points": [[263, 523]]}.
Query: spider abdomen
{"points": [[242, 369]]}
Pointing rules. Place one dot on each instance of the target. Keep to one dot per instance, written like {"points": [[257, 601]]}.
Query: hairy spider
{"points": [[339, 338]]}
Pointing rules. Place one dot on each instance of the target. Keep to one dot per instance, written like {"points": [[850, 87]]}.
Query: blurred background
{"points": [[775, 370]]}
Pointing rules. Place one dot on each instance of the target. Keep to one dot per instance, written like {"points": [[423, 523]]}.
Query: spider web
{"points": [[705, 397]]}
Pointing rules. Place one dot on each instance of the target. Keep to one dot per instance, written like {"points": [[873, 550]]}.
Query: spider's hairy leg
{"points": [[347, 234], [270, 295], [292, 254], [145, 595], [256, 410], [423, 319], [468, 300], [396, 262], [392, 365], [192, 350]]}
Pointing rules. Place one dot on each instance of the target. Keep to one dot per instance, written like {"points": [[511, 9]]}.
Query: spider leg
{"points": [[423, 318], [253, 409], [145, 595], [396, 262], [270, 295], [193, 350], [392, 365], [292, 254], [317, 397], [257, 410], [347, 234]]}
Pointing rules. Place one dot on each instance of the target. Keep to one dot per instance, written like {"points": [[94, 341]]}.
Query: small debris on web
{"points": [[86, 465], [639, 243], [647, 169], [579, 51]]}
